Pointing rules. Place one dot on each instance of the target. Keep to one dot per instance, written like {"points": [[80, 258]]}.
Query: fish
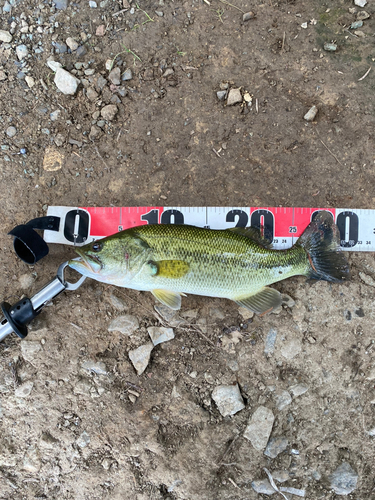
{"points": [[172, 260]]}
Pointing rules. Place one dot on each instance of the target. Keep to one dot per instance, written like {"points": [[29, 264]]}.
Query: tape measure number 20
{"points": [[281, 225]]}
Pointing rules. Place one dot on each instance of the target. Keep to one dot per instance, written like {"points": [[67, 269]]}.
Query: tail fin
{"points": [[321, 240]]}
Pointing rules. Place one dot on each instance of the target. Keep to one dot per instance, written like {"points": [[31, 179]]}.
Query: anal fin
{"points": [[267, 299], [168, 298]]}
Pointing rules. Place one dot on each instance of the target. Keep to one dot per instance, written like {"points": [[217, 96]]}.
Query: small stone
{"points": [[344, 479], [29, 349], [11, 131], [304, 26], [92, 4], [92, 94], [311, 114], [330, 47], [367, 279], [288, 301], [30, 81], [359, 33], [59, 140], [100, 30], [298, 390], [141, 356], [228, 399], [259, 428], [276, 446], [362, 15], [22, 51], [168, 72], [159, 13], [83, 440], [360, 3], [114, 76], [94, 132], [217, 313], [61, 4], [82, 387], [263, 486], [245, 313], [221, 95], [269, 346], [127, 75], [159, 334], [66, 82], [54, 65], [234, 97], [126, 324], [282, 399], [24, 390], [72, 44], [117, 303], [356, 25], [55, 115], [3, 75], [5, 36], [109, 112], [247, 16], [97, 367], [26, 280], [281, 475], [291, 349], [31, 460]]}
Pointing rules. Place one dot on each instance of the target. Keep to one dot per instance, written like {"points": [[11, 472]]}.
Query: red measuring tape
{"points": [[282, 225]]}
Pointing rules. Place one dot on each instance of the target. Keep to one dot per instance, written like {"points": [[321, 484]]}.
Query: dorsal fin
{"points": [[253, 233]]}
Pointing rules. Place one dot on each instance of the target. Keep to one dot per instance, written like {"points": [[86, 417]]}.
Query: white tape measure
{"points": [[282, 225]]}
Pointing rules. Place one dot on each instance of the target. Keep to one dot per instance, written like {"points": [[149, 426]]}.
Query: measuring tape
{"points": [[282, 225]]}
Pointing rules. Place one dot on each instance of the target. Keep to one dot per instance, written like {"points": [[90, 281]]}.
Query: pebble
{"points": [[24, 390], [126, 324], [169, 315], [281, 475], [159, 13], [276, 446], [92, 94], [362, 15], [94, 132], [221, 95], [55, 115], [344, 479], [269, 346], [168, 72], [31, 460], [3, 75], [115, 75], [71, 43], [228, 399], [66, 82], [245, 313], [263, 486], [59, 140], [117, 303], [109, 112], [359, 33], [259, 427], [100, 30], [141, 356], [26, 280], [11, 131], [234, 97], [92, 4], [159, 334], [5, 36], [127, 75], [61, 4], [30, 81], [83, 440], [291, 349], [97, 367], [356, 25], [7, 7], [360, 3], [298, 389], [288, 301], [54, 65], [29, 349], [330, 47], [311, 114], [367, 279], [247, 16], [282, 399], [21, 51]]}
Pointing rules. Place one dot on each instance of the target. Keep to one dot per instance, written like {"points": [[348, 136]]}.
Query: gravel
{"points": [[259, 428], [234, 97], [311, 114], [5, 36], [11, 131], [109, 112], [127, 75], [22, 51]]}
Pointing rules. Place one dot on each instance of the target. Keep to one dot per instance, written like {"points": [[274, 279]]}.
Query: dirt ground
{"points": [[70, 433]]}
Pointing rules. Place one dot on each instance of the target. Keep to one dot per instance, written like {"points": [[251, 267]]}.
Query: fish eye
{"points": [[96, 246]]}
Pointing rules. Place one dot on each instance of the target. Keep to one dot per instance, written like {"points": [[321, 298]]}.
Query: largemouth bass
{"points": [[237, 263]]}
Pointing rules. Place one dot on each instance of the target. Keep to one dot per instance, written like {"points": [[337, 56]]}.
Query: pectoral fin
{"points": [[170, 299], [172, 269], [265, 300]]}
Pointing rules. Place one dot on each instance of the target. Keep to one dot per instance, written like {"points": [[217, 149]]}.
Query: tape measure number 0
{"points": [[282, 225]]}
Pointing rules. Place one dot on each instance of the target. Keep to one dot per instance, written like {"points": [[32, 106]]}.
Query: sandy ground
{"points": [[68, 432]]}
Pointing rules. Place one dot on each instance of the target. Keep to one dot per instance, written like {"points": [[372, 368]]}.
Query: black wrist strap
{"points": [[28, 244]]}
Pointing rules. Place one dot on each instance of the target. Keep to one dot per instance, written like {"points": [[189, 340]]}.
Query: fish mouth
{"points": [[90, 262]]}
